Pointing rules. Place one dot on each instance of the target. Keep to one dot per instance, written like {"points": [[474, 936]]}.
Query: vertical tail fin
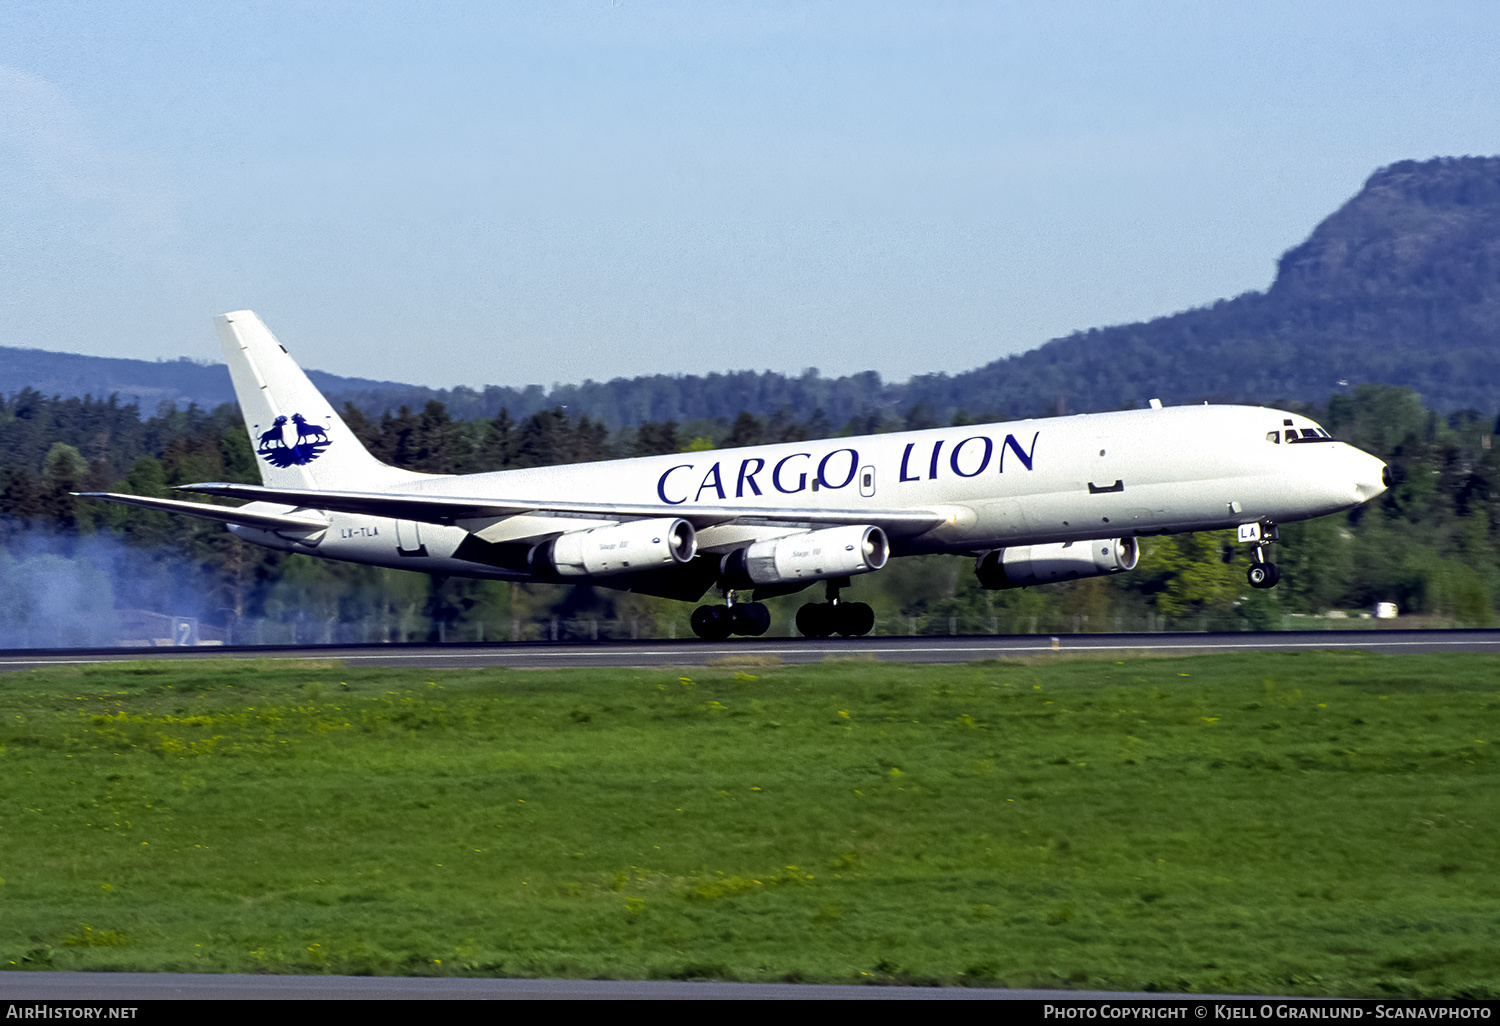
{"points": [[299, 439]]}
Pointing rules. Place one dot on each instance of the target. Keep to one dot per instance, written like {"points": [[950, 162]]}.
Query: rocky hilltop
{"points": [[1400, 285]]}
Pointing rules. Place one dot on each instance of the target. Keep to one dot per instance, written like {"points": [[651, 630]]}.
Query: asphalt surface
{"points": [[945, 649]]}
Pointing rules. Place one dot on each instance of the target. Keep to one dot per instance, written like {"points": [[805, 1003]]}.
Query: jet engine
{"points": [[810, 556], [1024, 565], [624, 548]]}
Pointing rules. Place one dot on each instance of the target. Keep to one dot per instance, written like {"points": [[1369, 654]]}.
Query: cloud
{"points": [[54, 162]]}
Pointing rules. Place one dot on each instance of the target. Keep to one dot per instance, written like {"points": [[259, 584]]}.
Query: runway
{"points": [[944, 649]]}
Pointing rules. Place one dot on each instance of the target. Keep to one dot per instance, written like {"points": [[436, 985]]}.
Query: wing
{"points": [[446, 509], [303, 521]]}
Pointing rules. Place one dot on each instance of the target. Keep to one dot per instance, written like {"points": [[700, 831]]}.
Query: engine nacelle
{"points": [[1025, 565], [624, 548], [810, 556]]}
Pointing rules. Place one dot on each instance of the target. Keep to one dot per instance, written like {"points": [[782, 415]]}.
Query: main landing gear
{"points": [[715, 623], [1262, 573], [814, 620], [820, 619]]}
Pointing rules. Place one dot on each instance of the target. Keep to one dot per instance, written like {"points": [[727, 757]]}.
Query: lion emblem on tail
{"points": [[310, 443]]}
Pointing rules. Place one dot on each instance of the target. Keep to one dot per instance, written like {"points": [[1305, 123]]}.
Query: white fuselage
{"points": [[1126, 474]]}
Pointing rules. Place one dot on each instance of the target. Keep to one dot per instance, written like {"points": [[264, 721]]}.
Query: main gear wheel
{"points": [[822, 619], [715, 623]]}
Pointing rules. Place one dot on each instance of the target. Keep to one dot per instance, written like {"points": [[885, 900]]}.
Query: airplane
{"points": [[1032, 501]]}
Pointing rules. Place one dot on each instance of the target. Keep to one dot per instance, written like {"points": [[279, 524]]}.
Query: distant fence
{"points": [[649, 628]]}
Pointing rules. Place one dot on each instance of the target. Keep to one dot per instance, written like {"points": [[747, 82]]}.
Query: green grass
{"points": [[1308, 824]]}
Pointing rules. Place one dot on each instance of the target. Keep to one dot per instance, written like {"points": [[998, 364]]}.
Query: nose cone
{"points": [[1371, 476]]}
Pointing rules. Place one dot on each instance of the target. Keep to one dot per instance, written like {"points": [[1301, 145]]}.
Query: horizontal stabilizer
{"points": [[446, 509], [223, 514]]}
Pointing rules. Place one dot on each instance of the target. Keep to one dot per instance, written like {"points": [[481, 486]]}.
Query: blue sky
{"points": [[456, 193]]}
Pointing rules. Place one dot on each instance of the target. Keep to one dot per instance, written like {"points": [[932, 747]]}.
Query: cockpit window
{"points": [[1309, 435], [1295, 434]]}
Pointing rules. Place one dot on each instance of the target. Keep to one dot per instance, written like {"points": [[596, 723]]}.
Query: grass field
{"points": [[1295, 824]]}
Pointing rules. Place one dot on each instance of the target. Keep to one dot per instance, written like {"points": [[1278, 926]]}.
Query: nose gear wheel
{"points": [[1263, 575]]}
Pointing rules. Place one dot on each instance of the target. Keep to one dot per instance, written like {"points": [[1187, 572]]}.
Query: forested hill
{"points": [[148, 383], [1401, 286]]}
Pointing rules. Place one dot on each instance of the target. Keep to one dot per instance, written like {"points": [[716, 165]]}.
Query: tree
{"points": [[544, 440], [497, 450], [747, 430], [652, 439], [1186, 575]]}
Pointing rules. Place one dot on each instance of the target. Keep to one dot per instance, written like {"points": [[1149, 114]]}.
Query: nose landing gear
{"points": [[1262, 573]]}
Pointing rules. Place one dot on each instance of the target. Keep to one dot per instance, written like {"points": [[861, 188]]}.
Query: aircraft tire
{"points": [[751, 619], [1263, 575], [854, 619], [815, 620], [711, 623]]}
